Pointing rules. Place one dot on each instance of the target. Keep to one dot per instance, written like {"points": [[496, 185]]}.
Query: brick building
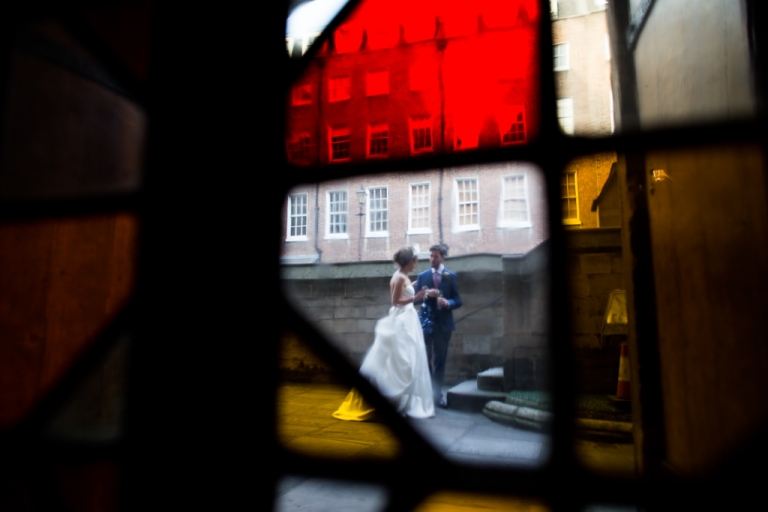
{"points": [[499, 209], [395, 95], [582, 64], [382, 90]]}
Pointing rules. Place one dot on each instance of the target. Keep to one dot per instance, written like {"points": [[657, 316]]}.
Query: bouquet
{"points": [[427, 318]]}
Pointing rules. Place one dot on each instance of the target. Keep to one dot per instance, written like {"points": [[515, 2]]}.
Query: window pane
{"points": [[681, 78], [500, 211], [64, 135], [442, 501], [64, 282], [314, 494], [306, 21], [452, 84]]}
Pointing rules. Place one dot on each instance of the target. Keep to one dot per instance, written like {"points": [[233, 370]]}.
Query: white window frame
{"points": [[369, 212], [338, 91], [419, 122], [610, 100], [328, 213], [369, 91], [565, 62], [565, 105], [289, 216], [338, 131], [503, 222], [421, 230], [377, 128], [577, 220], [457, 205], [553, 8]]}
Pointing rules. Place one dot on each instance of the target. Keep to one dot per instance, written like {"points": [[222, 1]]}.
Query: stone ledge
{"points": [[593, 240]]}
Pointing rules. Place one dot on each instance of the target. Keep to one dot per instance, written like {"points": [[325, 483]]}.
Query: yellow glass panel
{"points": [[305, 422], [465, 502]]}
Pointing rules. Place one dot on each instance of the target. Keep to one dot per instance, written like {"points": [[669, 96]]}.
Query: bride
{"points": [[396, 364]]}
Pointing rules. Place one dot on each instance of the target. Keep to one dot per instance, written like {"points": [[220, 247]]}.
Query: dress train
{"points": [[397, 366]]}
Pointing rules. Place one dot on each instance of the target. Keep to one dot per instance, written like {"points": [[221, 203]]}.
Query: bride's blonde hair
{"points": [[404, 256]]}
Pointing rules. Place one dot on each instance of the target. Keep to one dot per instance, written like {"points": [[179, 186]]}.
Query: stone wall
{"points": [[594, 270], [526, 319], [504, 320], [345, 301]]}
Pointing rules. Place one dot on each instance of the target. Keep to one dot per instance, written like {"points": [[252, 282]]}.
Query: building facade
{"points": [[380, 90], [582, 65], [497, 209]]}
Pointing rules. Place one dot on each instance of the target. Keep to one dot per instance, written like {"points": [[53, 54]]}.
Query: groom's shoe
{"points": [[442, 404]]}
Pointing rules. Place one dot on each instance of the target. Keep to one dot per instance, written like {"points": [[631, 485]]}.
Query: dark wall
{"points": [[710, 248], [63, 280]]}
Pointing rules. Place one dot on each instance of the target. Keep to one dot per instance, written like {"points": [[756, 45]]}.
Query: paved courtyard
{"points": [[305, 425]]}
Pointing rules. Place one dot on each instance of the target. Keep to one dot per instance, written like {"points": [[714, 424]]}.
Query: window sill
{"points": [[382, 234], [521, 225], [297, 239], [572, 222], [462, 229], [516, 143], [419, 232], [344, 236]]}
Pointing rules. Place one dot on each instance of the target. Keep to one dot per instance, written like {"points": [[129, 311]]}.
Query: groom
{"points": [[442, 298]]}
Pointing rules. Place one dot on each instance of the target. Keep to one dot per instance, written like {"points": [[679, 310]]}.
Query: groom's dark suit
{"points": [[437, 341]]}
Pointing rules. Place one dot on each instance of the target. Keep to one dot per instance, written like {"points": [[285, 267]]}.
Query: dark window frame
{"points": [[562, 483]]}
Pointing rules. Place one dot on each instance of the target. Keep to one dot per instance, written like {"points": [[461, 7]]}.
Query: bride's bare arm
{"points": [[397, 293]]}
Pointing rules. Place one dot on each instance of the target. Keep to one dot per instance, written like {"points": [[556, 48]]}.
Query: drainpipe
{"points": [[441, 44], [319, 118], [318, 130], [317, 223], [440, 207]]}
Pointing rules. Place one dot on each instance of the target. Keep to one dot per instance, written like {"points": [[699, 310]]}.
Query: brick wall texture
{"points": [[489, 237]]}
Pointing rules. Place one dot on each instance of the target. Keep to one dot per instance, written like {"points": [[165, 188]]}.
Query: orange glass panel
{"points": [[466, 502], [62, 282], [306, 400]]}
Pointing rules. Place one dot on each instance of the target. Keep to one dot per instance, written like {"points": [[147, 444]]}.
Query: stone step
{"points": [[491, 379], [466, 397], [539, 419]]}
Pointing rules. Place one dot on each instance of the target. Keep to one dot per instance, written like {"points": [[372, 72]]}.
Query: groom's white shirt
{"points": [[438, 269]]}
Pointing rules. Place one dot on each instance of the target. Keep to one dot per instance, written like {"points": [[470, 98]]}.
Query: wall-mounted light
{"points": [[660, 175], [361, 195]]}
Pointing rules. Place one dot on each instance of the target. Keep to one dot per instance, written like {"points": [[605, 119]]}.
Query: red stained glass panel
{"points": [[469, 67]]}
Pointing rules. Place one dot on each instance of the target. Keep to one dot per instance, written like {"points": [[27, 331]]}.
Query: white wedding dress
{"points": [[396, 365]]}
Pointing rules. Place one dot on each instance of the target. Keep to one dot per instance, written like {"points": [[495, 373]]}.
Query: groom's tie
{"points": [[436, 279]]}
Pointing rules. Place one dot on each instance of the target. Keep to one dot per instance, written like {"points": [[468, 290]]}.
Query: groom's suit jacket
{"points": [[450, 290]]}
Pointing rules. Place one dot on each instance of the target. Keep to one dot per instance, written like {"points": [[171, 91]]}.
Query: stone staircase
{"points": [[596, 415], [472, 395]]}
